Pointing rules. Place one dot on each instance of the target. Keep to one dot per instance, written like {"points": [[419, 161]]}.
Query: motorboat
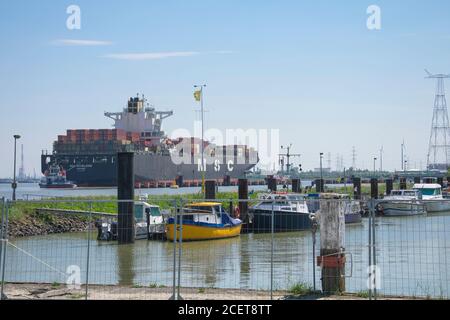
{"points": [[432, 197], [288, 211], [203, 221], [402, 203]]}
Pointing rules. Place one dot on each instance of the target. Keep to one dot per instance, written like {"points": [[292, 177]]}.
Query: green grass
{"points": [[301, 289], [201, 290], [56, 285]]}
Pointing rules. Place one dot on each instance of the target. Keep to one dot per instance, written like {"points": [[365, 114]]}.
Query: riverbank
{"points": [[33, 291]]}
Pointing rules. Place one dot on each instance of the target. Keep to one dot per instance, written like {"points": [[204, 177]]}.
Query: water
{"points": [[413, 254], [32, 190]]}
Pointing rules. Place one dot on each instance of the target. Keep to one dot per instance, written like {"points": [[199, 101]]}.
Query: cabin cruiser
{"points": [[290, 213], [402, 203], [432, 197]]}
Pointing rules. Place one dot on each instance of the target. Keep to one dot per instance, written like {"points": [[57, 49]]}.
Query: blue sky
{"points": [[309, 68]]}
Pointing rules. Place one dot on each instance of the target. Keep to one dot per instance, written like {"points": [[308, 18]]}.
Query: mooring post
{"points": [[357, 188], [417, 179], [332, 252], [243, 195], [389, 186], [440, 181], [296, 186], [210, 189], [272, 183], [179, 181], [402, 183], [125, 195], [374, 188]]}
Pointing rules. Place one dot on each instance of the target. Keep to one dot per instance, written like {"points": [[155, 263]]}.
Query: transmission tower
{"points": [[354, 158], [439, 146]]}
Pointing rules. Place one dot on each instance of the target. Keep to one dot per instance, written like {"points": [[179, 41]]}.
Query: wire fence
{"points": [[73, 249]]}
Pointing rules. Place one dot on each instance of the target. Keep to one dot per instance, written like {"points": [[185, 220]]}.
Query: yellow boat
{"points": [[204, 221]]}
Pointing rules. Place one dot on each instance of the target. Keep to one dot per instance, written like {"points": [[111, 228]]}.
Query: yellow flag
{"points": [[197, 95]]}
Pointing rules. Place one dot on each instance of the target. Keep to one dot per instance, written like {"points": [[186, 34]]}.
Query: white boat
{"points": [[403, 203], [432, 197], [352, 208]]}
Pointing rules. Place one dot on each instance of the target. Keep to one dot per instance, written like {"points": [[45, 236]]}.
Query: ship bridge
{"points": [[139, 117]]}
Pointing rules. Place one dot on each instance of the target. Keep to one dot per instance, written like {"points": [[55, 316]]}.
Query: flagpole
{"points": [[202, 141]]}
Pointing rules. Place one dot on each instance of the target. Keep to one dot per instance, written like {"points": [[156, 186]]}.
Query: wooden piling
{"points": [[389, 186], [125, 191], [210, 189], [374, 188], [296, 186], [272, 183], [243, 195], [440, 181], [332, 256], [417, 179], [356, 188], [403, 184]]}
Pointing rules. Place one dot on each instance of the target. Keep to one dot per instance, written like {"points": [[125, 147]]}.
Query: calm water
{"points": [[413, 255]]}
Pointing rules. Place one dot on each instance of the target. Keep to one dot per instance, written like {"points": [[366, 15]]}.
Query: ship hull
{"points": [[89, 171]]}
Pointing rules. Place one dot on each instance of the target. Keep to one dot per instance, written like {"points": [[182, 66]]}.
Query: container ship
{"points": [[89, 156]]}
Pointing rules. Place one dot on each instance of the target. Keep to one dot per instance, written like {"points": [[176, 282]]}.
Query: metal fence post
{"points": [[88, 250], [374, 252], [174, 297], [313, 232], [271, 253], [4, 244], [180, 251], [370, 247], [1, 230]]}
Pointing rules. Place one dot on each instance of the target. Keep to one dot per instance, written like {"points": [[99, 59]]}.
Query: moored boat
{"points": [[55, 178], [204, 221], [432, 197], [289, 212], [402, 203]]}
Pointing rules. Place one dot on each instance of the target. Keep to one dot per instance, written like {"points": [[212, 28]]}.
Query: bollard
{"points": [[125, 191], [320, 188], [272, 183], [210, 189], [226, 181], [296, 186], [417, 179], [389, 186], [332, 252], [243, 195], [374, 188], [179, 181], [402, 183], [356, 188]]}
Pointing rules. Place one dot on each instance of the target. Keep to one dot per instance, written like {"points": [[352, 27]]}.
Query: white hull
{"points": [[437, 206], [395, 209]]}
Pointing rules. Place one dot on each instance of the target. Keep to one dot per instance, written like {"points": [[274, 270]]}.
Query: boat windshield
{"points": [[139, 212], [155, 212], [430, 192], [409, 193]]}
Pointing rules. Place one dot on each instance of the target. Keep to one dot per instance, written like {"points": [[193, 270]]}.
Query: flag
{"points": [[197, 95]]}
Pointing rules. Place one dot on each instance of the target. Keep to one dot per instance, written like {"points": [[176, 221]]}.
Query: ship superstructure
{"points": [[89, 155]]}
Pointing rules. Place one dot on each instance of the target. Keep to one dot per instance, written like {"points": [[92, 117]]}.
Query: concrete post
{"points": [[332, 239], [125, 191], [243, 195], [210, 189]]}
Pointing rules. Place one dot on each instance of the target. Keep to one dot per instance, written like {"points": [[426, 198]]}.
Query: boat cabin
{"points": [[429, 189], [282, 202], [206, 213], [142, 209]]}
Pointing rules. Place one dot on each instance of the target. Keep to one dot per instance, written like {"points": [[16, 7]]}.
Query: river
{"points": [[413, 254]]}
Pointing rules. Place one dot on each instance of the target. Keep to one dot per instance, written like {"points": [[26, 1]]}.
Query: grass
{"points": [[77, 296], [201, 290], [20, 210], [56, 285], [301, 289], [363, 294]]}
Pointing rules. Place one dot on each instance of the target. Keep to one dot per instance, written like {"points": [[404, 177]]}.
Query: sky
{"points": [[311, 69]]}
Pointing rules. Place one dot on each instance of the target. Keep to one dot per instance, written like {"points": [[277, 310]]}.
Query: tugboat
{"points": [[55, 178]]}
